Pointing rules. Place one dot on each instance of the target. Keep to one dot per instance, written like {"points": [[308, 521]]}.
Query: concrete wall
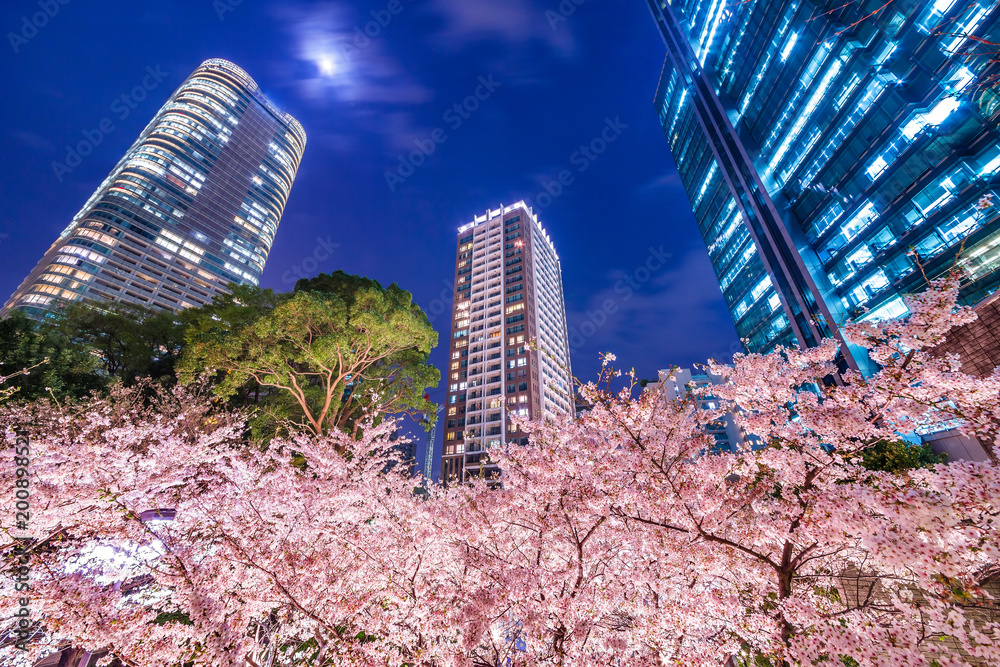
{"points": [[958, 447], [978, 343]]}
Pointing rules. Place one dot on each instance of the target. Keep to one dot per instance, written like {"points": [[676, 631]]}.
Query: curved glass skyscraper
{"points": [[193, 206]]}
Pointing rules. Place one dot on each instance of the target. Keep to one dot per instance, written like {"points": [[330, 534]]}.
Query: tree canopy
{"points": [[130, 341], [59, 367], [337, 349], [88, 346]]}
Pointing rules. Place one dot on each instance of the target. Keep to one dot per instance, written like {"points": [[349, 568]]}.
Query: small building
{"points": [[682, 383]]}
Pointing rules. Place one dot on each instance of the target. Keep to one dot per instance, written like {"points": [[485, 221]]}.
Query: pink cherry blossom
{"points": [[621, 538]]}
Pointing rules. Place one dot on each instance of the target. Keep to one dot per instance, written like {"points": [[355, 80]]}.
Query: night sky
{"points": [[553, 83]]}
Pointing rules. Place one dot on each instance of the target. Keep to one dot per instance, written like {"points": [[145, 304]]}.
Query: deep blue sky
{"points": [[559, 84]]}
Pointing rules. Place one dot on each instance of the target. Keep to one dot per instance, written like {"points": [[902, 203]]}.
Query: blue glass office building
{"points": [[828, 156]]}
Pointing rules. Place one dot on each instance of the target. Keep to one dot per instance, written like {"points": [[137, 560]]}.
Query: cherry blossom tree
{"points": [[267, 560], [789, 553], [622, 538]]}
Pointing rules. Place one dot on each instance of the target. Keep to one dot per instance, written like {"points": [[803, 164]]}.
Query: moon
{"points": [[327, 66]]}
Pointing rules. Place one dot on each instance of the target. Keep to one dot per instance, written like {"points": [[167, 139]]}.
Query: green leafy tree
{"points": [[897, 456], [338, 348], [128, 340], [38, 362]]}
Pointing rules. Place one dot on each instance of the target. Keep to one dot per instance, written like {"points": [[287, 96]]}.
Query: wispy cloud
{"points": [[338, 63], [670, 180], [32, 140], [515, 22], [683, 293], [338, 60]]}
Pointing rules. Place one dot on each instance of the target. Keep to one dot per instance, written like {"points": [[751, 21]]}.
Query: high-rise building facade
{"points": [[834, 154], [192, 206], [509, 352]]}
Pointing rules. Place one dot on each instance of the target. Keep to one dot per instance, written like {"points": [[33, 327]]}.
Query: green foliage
{"points": [[348, 286], [899, 456], [336, 349], [749, 659], [829, 592], [129, 341], [62, 368], [212, 324], [170, 617]]}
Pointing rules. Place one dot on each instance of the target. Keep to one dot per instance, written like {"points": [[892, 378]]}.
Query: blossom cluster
{"points": [[621, 538]]}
